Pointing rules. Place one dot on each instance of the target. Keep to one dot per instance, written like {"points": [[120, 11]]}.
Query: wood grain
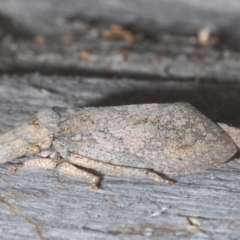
{"points": [[44, 204], [53, 53]]}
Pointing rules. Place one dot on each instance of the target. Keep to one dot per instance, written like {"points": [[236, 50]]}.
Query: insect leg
{"points": [[47, 163], [115, 170], [65, 167], [71, 170]]}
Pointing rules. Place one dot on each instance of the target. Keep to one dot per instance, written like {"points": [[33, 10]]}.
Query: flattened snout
{"points": [[11, 147], [29, 137]]}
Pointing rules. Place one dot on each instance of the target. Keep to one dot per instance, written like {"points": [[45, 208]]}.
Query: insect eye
{"points": [[36, 125], [35, 122]]}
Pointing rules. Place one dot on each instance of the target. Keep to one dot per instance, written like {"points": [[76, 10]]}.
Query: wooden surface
{"points": [[48, 36], [41, 204], [47, 205]]}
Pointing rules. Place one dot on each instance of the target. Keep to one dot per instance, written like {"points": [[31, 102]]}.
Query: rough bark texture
{"points": [[40, 204]]}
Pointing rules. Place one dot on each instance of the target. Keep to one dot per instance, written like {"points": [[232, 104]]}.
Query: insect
{"points": [[132, 140]]}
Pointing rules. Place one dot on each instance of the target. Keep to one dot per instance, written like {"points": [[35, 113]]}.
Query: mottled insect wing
{"points": [[169, 138]]}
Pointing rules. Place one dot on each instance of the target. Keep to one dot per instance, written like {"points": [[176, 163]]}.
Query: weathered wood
{"points": [[67, 29], [176, 16], [34, 92], [177, 60], [38, 204]]}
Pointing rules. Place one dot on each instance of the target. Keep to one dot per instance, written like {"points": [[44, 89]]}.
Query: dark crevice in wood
{"points": [[13, 28], [47, 70]]}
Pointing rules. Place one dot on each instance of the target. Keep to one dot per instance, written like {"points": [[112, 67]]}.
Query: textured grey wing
{"points": [[170, 138]]}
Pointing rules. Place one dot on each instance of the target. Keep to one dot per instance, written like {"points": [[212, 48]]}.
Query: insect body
{"points": [[133, 140]]}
